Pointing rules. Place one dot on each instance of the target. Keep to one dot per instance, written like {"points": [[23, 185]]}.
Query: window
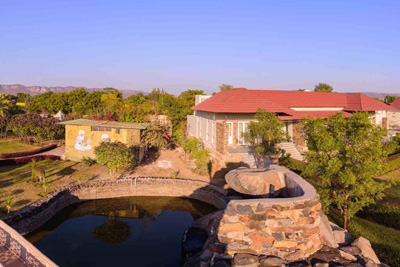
{"points": [[101, 129], [117, 130]]}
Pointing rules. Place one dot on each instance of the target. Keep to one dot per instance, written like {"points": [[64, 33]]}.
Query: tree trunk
{"points": [[261, 161], [345, 213]]}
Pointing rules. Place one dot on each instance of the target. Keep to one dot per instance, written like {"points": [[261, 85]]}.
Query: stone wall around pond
{"points": [[285, 227], [36, 214]]}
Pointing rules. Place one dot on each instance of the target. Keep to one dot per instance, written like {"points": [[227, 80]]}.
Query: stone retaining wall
{"points": [[33, 216], [22, 249], [285, 227]]}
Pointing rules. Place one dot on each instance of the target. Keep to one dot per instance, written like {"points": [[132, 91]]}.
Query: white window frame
{"points": [[239, 136]]}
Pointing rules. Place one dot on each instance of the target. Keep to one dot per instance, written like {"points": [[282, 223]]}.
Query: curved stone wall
{"points": [[285, 227], [35, 215]]}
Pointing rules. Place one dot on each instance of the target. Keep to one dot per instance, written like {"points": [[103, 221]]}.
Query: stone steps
{"points": [[291, 148]]}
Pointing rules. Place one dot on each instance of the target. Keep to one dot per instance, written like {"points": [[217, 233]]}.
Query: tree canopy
{"points": [[344, 155], [224, 87], [389, 99], [323, 87], [264, 135]]}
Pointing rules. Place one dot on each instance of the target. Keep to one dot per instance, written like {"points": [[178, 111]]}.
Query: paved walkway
{"points": [[58, 151]]}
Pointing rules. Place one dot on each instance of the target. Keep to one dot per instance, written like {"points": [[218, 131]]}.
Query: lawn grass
{"points": [[15, 180], [14, 146]]}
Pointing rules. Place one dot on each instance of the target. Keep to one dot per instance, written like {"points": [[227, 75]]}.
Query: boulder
{"points": [[328, 237], [342, 237], [366, 250], [271, 261], [255, 182], [245, 260]]}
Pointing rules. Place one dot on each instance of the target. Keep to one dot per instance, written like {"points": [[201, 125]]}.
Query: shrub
{"points": [[202, 161], [292, 164], [114, 156], [15, 161], [391, 164], [88, 161]]}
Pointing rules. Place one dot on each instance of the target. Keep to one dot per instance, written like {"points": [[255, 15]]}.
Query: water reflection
{"points": [[137, 231]]}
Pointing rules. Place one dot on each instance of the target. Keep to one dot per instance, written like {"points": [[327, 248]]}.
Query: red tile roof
{"points": [[396, 103], [242, 100]]}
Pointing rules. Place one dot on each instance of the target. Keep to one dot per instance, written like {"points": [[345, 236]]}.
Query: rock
{"points": [[320, 264], [255, 181], [342, 237], [271, 261], [245, 260], [355, 251], [371, 264], [347, 256], [299, 264], [222, 263], [328, 237], [353, 264], [366, 250], [193, 241]]}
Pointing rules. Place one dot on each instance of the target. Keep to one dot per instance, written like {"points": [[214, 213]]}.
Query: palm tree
{"points": [[5, 105]]}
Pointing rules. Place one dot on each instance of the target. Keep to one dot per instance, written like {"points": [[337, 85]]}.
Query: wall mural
{"points": [[82, 142]]}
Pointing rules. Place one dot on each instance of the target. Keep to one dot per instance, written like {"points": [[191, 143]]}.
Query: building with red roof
{"points": [[394, 116], [220, 120]]}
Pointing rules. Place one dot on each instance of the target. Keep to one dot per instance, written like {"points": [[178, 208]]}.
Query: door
{"points": [[242, 128], [230, 133]]}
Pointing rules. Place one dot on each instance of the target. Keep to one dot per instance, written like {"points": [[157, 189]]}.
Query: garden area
{"points": [[11, 146]]}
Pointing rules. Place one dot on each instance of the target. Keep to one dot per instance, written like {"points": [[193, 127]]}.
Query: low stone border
{"points": [[22, 248], [36, 214]]}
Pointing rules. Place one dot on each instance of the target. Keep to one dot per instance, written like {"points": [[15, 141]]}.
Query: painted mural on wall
{"points": [[82, 143]]}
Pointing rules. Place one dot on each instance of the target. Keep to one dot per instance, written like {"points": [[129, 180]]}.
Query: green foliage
{"points": [[32, 125], [202, 160], [389, 99], [224, 87], [345, 155], [154, 136], [192, 144], [9, 203], [114, 156], [292, 164], [323, 87], [393, 163], [5, 104], [264, 135], [88, 161]]}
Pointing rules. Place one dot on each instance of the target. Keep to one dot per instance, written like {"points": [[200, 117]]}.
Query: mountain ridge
{"points": [[13, 89]]}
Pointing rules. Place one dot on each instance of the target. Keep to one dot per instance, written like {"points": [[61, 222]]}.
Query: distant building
{"points": [[82, 136], [59, 116], [394, 116], [220, 120]]}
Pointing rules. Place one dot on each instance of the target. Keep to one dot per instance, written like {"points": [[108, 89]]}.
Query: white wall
{"points": [[394, 119]]}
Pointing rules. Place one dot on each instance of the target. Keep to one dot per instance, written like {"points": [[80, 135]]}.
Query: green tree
{"points": [[264, 135], [389, 99], [323, 87], [344, 155], [224, 87], [23, 97], [114, 156], [154, 136], [5, 104]]}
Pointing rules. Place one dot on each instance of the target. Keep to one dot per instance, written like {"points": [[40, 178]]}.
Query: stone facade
{"points": [[221, 137], [298, 134], [384, 123]]}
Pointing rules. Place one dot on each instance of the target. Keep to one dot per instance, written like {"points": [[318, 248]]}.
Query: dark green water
{"points": [[135, 231]]}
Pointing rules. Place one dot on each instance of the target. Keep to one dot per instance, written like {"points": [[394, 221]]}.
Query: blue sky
{"points": [[177, 45]]}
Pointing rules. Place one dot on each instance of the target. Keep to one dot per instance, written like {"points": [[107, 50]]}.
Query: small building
{"points": [[59, 116], [83, 135]]}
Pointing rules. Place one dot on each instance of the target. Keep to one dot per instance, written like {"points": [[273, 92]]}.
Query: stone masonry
{"points": [[222, 137], [285, 227]]}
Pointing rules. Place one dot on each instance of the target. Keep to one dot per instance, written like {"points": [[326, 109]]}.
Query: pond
{"points": [[135, 231]]}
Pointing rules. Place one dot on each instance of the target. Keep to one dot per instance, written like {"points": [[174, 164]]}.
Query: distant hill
{"points": [[379, 95], [13, 89]]}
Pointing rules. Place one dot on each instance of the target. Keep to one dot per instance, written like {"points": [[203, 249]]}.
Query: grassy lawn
{"points": [[15, 180], [14, 146]]}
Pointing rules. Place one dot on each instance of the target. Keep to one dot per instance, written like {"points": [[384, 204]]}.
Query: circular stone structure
{"points": [[287, 227]]}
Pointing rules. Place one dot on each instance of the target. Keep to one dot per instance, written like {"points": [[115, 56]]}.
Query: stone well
{"points": [[287, 227]]}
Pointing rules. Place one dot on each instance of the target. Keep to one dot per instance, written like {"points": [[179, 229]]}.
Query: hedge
{"points": [[27, 153], [15, 161], [391, 164]]}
